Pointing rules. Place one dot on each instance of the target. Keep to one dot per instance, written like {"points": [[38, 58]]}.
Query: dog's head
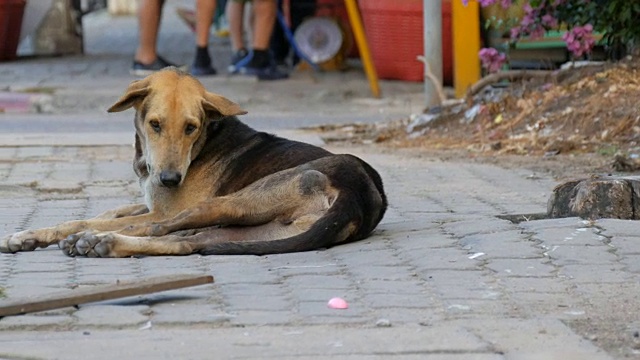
{"points": [[173, 110]]}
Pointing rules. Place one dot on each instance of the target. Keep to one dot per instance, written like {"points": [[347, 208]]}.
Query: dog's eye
{"points": [[155, 125], [189, 129]]}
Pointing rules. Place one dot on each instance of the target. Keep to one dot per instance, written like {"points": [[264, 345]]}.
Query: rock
{"points": [[597, 197]]}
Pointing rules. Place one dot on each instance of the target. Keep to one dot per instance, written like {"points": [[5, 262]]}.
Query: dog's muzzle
{"points": [[170, 178]]}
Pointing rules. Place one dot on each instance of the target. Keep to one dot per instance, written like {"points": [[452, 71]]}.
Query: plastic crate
{"points": [[395, 34]]}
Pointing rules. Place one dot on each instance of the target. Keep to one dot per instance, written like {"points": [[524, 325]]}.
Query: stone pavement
{"points": [[445, 276]]}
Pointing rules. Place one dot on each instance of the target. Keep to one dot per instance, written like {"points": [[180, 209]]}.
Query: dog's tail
{"points": [[336, 226]]}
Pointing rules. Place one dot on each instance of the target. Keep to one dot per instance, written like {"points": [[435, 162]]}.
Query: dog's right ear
{"points": [[136, 91], [220, 104]]}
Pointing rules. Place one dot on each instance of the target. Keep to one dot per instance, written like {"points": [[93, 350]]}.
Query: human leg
{"points": [[205, 10], [146, 59]]}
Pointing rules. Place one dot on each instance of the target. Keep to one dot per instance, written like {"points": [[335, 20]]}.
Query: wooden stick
{"points": [[507, 75], [100, 293]]}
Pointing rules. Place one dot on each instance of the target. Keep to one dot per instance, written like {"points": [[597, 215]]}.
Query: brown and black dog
{"points": [[213, 185]]}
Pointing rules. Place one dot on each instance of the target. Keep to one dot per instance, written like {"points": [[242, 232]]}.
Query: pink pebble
{"points": [[337, 303]]}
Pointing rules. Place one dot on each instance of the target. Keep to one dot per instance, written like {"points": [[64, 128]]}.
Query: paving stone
{"points": [[318, 282], [569, 254], [619, 227], [550, 339], [257, 302], [522, 267], [377, 272], [570, 236], [422, 317], [421, 239], [508, 244], [260, 318], [188, 314], [532, 284], [483, 225], [478, 308], [594, 274], [112, 315], [28, 152], [29, 321], [419, 301], [625, 244], [440, 259], [412, 286], [453, 284]]}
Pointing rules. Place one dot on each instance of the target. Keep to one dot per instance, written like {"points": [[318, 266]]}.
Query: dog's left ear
{"points": [[136, 91], [220, 104]]}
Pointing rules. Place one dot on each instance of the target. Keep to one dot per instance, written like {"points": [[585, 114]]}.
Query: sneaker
{"points": [[268, 72], [140, 69], [236, 58]]}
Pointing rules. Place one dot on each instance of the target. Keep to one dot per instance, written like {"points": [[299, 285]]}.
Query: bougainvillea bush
{"points": [[617, 20]]}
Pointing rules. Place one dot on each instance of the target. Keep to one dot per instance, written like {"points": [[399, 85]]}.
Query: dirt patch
{"points": [[582, 116]]}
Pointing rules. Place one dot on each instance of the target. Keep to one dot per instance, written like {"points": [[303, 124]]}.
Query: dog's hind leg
{"points": [[111, 244], [283, 196]]}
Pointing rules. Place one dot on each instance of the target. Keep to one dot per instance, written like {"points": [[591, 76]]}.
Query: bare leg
{"points": [[264, 19], [149, 14], [235, 16], [204, 16]]}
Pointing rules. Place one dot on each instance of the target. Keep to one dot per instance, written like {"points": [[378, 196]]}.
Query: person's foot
{"points": [[263, 70], [202, 63], [205, 70], [140, 69], [236, 58]]}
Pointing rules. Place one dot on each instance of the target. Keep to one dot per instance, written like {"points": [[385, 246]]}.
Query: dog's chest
{"points": [[174, 200]]}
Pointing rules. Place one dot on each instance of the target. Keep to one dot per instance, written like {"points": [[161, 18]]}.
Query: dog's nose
{"points": [[170, 178]]}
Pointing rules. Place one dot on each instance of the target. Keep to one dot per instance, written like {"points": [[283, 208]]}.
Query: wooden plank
{"points": [[100, 293]]}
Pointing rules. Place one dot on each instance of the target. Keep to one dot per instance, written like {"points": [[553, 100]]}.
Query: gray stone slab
{"points": [[112, 315]]}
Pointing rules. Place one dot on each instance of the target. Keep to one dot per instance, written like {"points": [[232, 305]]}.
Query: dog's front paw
{"points": [[89, 244], [20, 241]]}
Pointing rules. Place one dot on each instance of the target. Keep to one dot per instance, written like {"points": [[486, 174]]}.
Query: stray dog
{"points": [[213, 185]]}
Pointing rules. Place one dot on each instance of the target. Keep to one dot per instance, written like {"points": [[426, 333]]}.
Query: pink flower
{"points": [[491, 59], [485, 3], [579, 40], [549, 21]]}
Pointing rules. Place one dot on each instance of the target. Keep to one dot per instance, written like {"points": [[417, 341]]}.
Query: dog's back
{"points": [[247, 155]]}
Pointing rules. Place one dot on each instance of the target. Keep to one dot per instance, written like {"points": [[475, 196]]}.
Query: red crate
{"points": [[395, 33]]}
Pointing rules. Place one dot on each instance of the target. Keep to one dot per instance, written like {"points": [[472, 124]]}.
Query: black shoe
{"points": [[202, 70], [140, 69]]}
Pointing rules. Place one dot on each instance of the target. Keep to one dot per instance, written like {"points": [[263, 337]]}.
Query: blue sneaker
{"points": [[268, 72], [236, 58]]}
